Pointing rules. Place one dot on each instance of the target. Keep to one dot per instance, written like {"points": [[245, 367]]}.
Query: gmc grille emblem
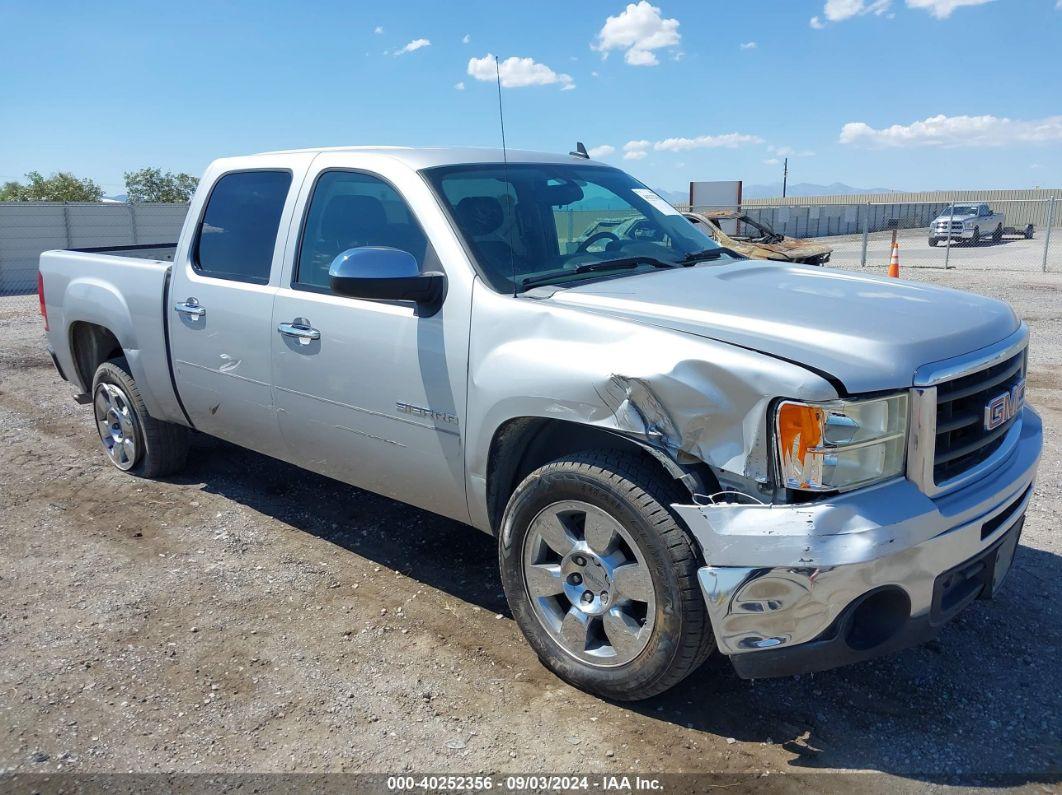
{"points": [[1004, 407]]}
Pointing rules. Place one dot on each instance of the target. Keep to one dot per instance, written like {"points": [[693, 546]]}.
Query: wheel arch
{"points": [[523, 444], [91, 344]]}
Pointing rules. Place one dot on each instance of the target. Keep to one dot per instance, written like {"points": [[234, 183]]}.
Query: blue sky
{"points": [[934, 93]]}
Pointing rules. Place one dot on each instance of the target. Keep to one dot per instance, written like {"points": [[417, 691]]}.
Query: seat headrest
{"points": [[479, 215], [346, 217]]}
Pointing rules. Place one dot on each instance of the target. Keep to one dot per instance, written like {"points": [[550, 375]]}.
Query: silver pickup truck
{"points": [[678, 449], [970, 223]]}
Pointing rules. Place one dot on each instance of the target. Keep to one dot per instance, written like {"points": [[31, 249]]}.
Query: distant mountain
{"points": [[675, 196], [806, 189], [121, 197], [775, 190]]}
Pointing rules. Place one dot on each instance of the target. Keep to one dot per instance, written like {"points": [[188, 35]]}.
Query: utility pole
{"points": [[785, 175]]}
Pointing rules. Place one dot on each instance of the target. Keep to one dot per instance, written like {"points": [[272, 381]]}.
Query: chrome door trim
{"points": [[299, 332]]}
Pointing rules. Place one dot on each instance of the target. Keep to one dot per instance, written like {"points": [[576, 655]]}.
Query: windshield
{"points": [[536, 223], [962, 209]]}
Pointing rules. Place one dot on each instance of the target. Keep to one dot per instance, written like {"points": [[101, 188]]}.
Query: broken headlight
{"points": [[841, 444]]}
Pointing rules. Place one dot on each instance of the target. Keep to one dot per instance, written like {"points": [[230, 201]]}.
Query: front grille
{"points": [[962, 441]]}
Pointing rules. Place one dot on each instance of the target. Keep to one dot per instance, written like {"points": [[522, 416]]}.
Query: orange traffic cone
{"points": [[894, 261]]}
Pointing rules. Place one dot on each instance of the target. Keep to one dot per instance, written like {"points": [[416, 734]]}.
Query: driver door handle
{"points": [[190, 307], [302, 333]]}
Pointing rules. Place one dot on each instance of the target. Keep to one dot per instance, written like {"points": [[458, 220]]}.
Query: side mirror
{"points": [[386, 274]]}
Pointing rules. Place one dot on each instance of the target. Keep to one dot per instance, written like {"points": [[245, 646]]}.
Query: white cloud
{"points": [[518, 72], [601, 151], [466, 39], [460, 86], [840, 10], [941, 9], [639, 149], [748, 45], [954, 131], [413, 46], [639, 29], [771, 161], [727, 140], [378, 30], [636, 150]]}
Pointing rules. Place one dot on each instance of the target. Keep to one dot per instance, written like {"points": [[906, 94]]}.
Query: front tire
{"points": [[602, 577], [133, 440], [933, 242], [976, 239]]}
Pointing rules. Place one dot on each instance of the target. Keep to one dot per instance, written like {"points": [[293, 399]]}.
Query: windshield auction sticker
{"points": [[658, 202]]}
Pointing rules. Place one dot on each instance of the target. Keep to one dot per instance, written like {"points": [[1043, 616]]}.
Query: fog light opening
{"points": [[877, 618]]}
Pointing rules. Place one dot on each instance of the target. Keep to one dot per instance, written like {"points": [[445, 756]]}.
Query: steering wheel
{"points": [[593, 239]]}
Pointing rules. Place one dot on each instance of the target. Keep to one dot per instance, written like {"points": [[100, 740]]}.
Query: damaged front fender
{"points": [[691, 398]]}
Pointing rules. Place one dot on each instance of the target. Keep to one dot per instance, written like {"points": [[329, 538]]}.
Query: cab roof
{"points": [[429, 157]]}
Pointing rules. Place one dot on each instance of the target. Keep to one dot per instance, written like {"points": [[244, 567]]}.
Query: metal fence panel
{"points": [[29, 228], [862, 234]]}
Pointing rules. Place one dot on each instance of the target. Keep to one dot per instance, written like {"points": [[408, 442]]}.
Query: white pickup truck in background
{"points": [[972, 223]]}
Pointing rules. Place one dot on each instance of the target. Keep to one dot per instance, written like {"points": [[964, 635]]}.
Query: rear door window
{"points": [[239, 229]]}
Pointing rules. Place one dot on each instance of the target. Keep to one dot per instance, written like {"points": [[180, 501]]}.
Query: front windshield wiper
{"points": [[624, 263], [707, 255]]}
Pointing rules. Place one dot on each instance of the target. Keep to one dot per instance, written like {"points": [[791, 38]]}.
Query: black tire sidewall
{"points": [[555, 485]]}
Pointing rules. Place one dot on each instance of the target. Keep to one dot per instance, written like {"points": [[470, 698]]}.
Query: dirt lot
{"points": [[251, 616]]}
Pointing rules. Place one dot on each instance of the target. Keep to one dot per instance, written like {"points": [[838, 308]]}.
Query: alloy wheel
{"points": [[116, 424], [589, 583]]}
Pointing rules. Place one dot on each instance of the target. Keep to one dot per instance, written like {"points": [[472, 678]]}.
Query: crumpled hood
{"points": [[870, 332]]}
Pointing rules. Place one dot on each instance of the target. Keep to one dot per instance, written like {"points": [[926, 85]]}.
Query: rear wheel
{"points": [[998, 234], [133, 440], [602, 578], [1029, 232]]}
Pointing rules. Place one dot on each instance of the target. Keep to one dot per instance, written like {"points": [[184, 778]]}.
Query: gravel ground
{"points": [[250, 616], [1011, 253]]}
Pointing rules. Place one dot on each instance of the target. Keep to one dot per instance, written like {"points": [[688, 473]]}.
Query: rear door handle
{"points": [[302, 333], [190, 307]]}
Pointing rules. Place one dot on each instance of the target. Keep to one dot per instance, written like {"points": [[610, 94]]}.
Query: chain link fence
{"points": [[1006, 235], [29, 228]]}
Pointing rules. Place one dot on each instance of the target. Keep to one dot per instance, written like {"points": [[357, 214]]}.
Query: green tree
{"points": [[59, 187], [151, 185]]}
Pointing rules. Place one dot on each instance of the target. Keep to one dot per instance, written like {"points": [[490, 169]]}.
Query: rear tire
{"points": [[568, 528], [1029, 232], [998, 234], [133, 440]]}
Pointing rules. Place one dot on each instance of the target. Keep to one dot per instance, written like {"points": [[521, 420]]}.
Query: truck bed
{"points": [[122, 289], [156, 252]]}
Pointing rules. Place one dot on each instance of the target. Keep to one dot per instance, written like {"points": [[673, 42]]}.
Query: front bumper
{"points": [[795, 588], [954, 234]]}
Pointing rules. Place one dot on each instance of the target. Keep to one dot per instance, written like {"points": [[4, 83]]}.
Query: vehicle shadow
{"points": [[987, 242], [981, 704], [438, 552]]}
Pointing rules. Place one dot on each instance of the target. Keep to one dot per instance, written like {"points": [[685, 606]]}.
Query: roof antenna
{"points": [[580, 151], [508, 184]]}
